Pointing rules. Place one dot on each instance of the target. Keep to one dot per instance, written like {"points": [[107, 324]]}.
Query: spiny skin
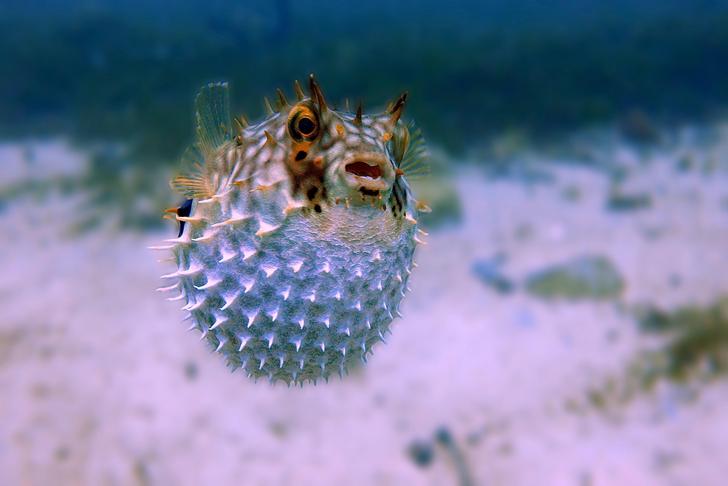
{"points": [[293, 266]]}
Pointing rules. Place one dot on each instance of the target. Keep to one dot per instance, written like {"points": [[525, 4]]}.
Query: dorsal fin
{"points": [[214, 127], [212, 113]]}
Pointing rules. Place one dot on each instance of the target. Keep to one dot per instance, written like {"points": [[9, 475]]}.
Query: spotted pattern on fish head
{"points": [[331, 157]]}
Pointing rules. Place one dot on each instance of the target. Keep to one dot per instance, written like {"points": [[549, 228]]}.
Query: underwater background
{"points": [[568, 321]]}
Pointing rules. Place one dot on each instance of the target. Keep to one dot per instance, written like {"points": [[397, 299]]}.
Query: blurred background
{"points": [[569, 317]]}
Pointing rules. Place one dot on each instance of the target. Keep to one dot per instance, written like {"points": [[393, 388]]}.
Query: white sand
{"points": [[94, 388]]}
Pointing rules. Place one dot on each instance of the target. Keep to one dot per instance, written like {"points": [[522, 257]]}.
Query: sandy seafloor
{"points": [[101, 384]]}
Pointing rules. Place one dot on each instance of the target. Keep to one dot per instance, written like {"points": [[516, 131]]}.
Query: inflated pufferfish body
{"points": [[300, 232]]}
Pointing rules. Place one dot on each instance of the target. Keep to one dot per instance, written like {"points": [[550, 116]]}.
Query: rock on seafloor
{"points": [[583, 277]]}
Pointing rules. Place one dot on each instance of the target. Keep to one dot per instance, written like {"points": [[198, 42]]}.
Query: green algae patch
{"points": [[696, 342], [691, 351]]}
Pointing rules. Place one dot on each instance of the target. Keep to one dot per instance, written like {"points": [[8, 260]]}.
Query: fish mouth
{"points": [[362, 169], [368, 173]]}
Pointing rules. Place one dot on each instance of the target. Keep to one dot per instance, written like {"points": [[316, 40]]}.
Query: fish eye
{"points": [[306, 126], [303, 124]]}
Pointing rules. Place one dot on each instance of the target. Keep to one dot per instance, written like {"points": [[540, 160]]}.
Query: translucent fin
{"points": [[414, 163], [197, 177], [214, 123], [192, 182]]}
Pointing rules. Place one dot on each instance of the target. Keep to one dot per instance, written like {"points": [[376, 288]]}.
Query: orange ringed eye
{"points": [[306, 126], [303, 124]]}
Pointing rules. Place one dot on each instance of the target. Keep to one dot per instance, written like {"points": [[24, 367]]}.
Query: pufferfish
{"points": [[297, 235]]}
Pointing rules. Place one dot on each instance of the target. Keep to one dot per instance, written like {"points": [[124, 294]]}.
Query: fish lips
{"points": [[369, 171]]}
